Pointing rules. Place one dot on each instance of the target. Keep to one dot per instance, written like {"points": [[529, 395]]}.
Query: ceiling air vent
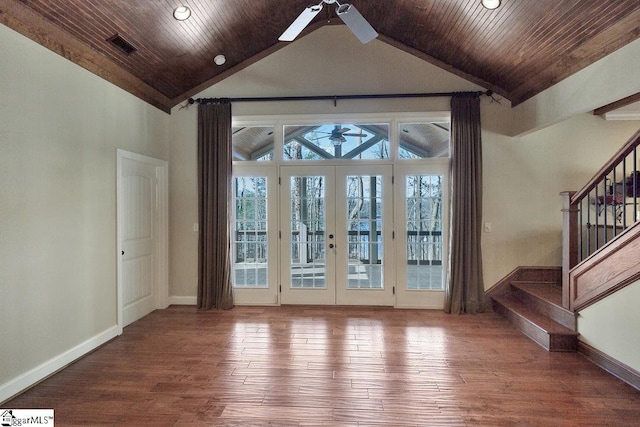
{"points": [[122, 44]]}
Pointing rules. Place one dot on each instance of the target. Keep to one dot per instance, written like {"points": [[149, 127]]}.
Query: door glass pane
{"points": [[424, 231], [250, 249], [307, 227], [336, 141], [364, 230]]}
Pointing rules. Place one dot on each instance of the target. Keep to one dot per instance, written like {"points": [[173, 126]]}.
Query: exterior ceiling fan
{"points": [[337, 135], [347, 12]]}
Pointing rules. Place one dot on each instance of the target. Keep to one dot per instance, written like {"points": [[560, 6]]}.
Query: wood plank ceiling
{"points": [[518, 50]]}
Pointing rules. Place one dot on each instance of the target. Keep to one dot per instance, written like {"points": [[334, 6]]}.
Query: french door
{"points": [[336, 235], [421, 220], [255, 235]]}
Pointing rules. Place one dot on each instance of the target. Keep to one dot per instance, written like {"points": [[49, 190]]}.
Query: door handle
{"points": [[122, 252], [331, 246]]}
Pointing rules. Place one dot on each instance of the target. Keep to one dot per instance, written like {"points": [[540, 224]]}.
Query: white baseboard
{"points": [[37, 374], [175, 300], [420, 307]]}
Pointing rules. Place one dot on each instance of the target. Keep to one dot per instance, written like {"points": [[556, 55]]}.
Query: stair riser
{"points": [[563, 343], [551, 342], [558, 314], [522, 324]]}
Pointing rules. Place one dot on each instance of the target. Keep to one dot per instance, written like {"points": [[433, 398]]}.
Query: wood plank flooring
{"points": [[336, 366]]}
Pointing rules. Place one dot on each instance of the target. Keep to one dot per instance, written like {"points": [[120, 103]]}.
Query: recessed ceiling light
{"points": [[181, 13], [220, 59], [491, 4]]}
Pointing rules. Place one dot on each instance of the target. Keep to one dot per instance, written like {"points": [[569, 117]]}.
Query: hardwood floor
{"points": [[343, 366]]}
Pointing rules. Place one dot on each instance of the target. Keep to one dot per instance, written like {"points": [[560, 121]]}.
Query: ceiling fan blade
{"points": [[300, 23], [356, 23]]}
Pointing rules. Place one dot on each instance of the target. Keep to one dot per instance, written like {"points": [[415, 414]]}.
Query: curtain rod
{"points": [[335, 98]]}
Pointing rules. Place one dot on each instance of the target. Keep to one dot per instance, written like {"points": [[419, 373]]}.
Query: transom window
{"points": [[423, 140], [341, 141], [336, 141]]}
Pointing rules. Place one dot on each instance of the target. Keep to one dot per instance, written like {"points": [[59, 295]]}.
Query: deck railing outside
{"points": [[424, 247]]}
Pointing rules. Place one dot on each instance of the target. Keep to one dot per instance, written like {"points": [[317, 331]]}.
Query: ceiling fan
{"points": [[337, 135], [347, 12]]}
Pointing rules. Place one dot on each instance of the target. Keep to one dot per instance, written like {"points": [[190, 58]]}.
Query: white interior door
{"points": [[336, 242], [142, 235]]}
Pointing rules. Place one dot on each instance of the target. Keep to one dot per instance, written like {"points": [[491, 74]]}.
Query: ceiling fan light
{"points": [[181, 13], [491, 4]]}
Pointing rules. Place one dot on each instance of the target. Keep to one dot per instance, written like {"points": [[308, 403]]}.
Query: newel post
{"points": [[569, 243]]}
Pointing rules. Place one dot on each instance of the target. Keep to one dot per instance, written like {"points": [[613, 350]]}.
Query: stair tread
{"points": [[548, 325], [547, 291]]}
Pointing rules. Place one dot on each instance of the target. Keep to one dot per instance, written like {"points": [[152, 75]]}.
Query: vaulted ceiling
{"points": [[517, 50]]}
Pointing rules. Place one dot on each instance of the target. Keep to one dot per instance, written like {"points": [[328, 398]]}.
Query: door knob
{"points": [[331, 246], [331, 236], [122, 252]]}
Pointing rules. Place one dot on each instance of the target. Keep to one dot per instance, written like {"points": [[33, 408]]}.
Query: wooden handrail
{"points": [[612, 163]]}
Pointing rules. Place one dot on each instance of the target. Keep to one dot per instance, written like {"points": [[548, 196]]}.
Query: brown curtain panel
{"points": [[465, 291], [214, 206]]}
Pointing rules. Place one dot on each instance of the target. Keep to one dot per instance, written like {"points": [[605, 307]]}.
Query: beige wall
{"points": [[59, 129], [612, 324]]}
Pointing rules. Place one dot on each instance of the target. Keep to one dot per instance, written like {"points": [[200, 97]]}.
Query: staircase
{"points": [[531, 299]]}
